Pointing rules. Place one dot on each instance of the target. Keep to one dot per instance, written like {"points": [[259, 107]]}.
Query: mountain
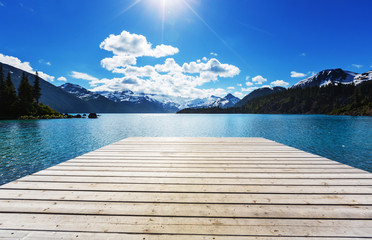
{"points": [[367, 76], [127, 96], [118, 102], [325, 77], [258, 93], [341, 99], [79, 91], [213, 101], [228, 101], [51, 95]]}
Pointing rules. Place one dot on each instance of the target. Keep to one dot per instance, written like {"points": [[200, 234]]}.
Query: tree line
{"points": [[340, 99], [25, 101]]}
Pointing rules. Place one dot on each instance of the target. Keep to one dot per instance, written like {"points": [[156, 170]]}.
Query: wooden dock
{"points": [[190, 188]]}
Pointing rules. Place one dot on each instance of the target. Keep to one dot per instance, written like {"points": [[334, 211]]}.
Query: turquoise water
{"points": [[32, 145]]}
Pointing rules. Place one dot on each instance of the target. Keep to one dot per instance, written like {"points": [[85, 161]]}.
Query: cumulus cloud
{"points": [[25, 66], [295, 74], [117, 62], [63, 79], [239, 84], [167, 77], [249, 84], [231, 88], [357, 65], [214, 54], [280, 83], [127, 47], [259, 79], [130, 44]]}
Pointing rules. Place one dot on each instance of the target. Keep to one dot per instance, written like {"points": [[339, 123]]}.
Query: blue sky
{"points": [[212, 46]]}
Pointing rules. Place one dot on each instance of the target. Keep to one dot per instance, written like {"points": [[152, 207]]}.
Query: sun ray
{"points": [[130, 6], [213, 31]]}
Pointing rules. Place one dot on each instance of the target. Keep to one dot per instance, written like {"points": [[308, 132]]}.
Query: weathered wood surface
{"points": [[190, 188]]}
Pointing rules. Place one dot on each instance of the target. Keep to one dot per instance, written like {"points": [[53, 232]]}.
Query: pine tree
{"points": [[26, 96], [37, 88], [8, 99], [11, 93]]}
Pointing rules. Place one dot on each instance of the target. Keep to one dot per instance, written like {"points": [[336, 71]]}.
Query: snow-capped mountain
{"points": [[367, 76], [213, 101], [325, 77], [228, 101], [129, 96], [79, 91]]}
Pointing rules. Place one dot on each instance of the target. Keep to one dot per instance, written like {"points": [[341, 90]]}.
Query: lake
{"points": [[32, 145]]}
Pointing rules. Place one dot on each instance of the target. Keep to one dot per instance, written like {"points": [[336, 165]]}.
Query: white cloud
{"points": [[239, 84], [249, 84], [128, 44], [231, 88], [169, 65], [25, 66], [84, 76], [258, 79], [279, 83], [250, 89], [165, 78], [118, 61], [303, 54], [42, 61], [63, 79], [127, 47], [357, 65], [214, 54], [15, 62], [46, 76], [247, 78], [295, 74]]}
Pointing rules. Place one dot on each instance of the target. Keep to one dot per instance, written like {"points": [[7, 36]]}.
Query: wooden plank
{"points": [[191, 188], [203, 165], [199, 181], [204, 170], [39, 234], [209, 175], [211, 198], [187, 210], [193, 226]]}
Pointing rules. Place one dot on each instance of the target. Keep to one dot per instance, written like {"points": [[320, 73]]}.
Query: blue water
{"points": [[32, 145]]}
